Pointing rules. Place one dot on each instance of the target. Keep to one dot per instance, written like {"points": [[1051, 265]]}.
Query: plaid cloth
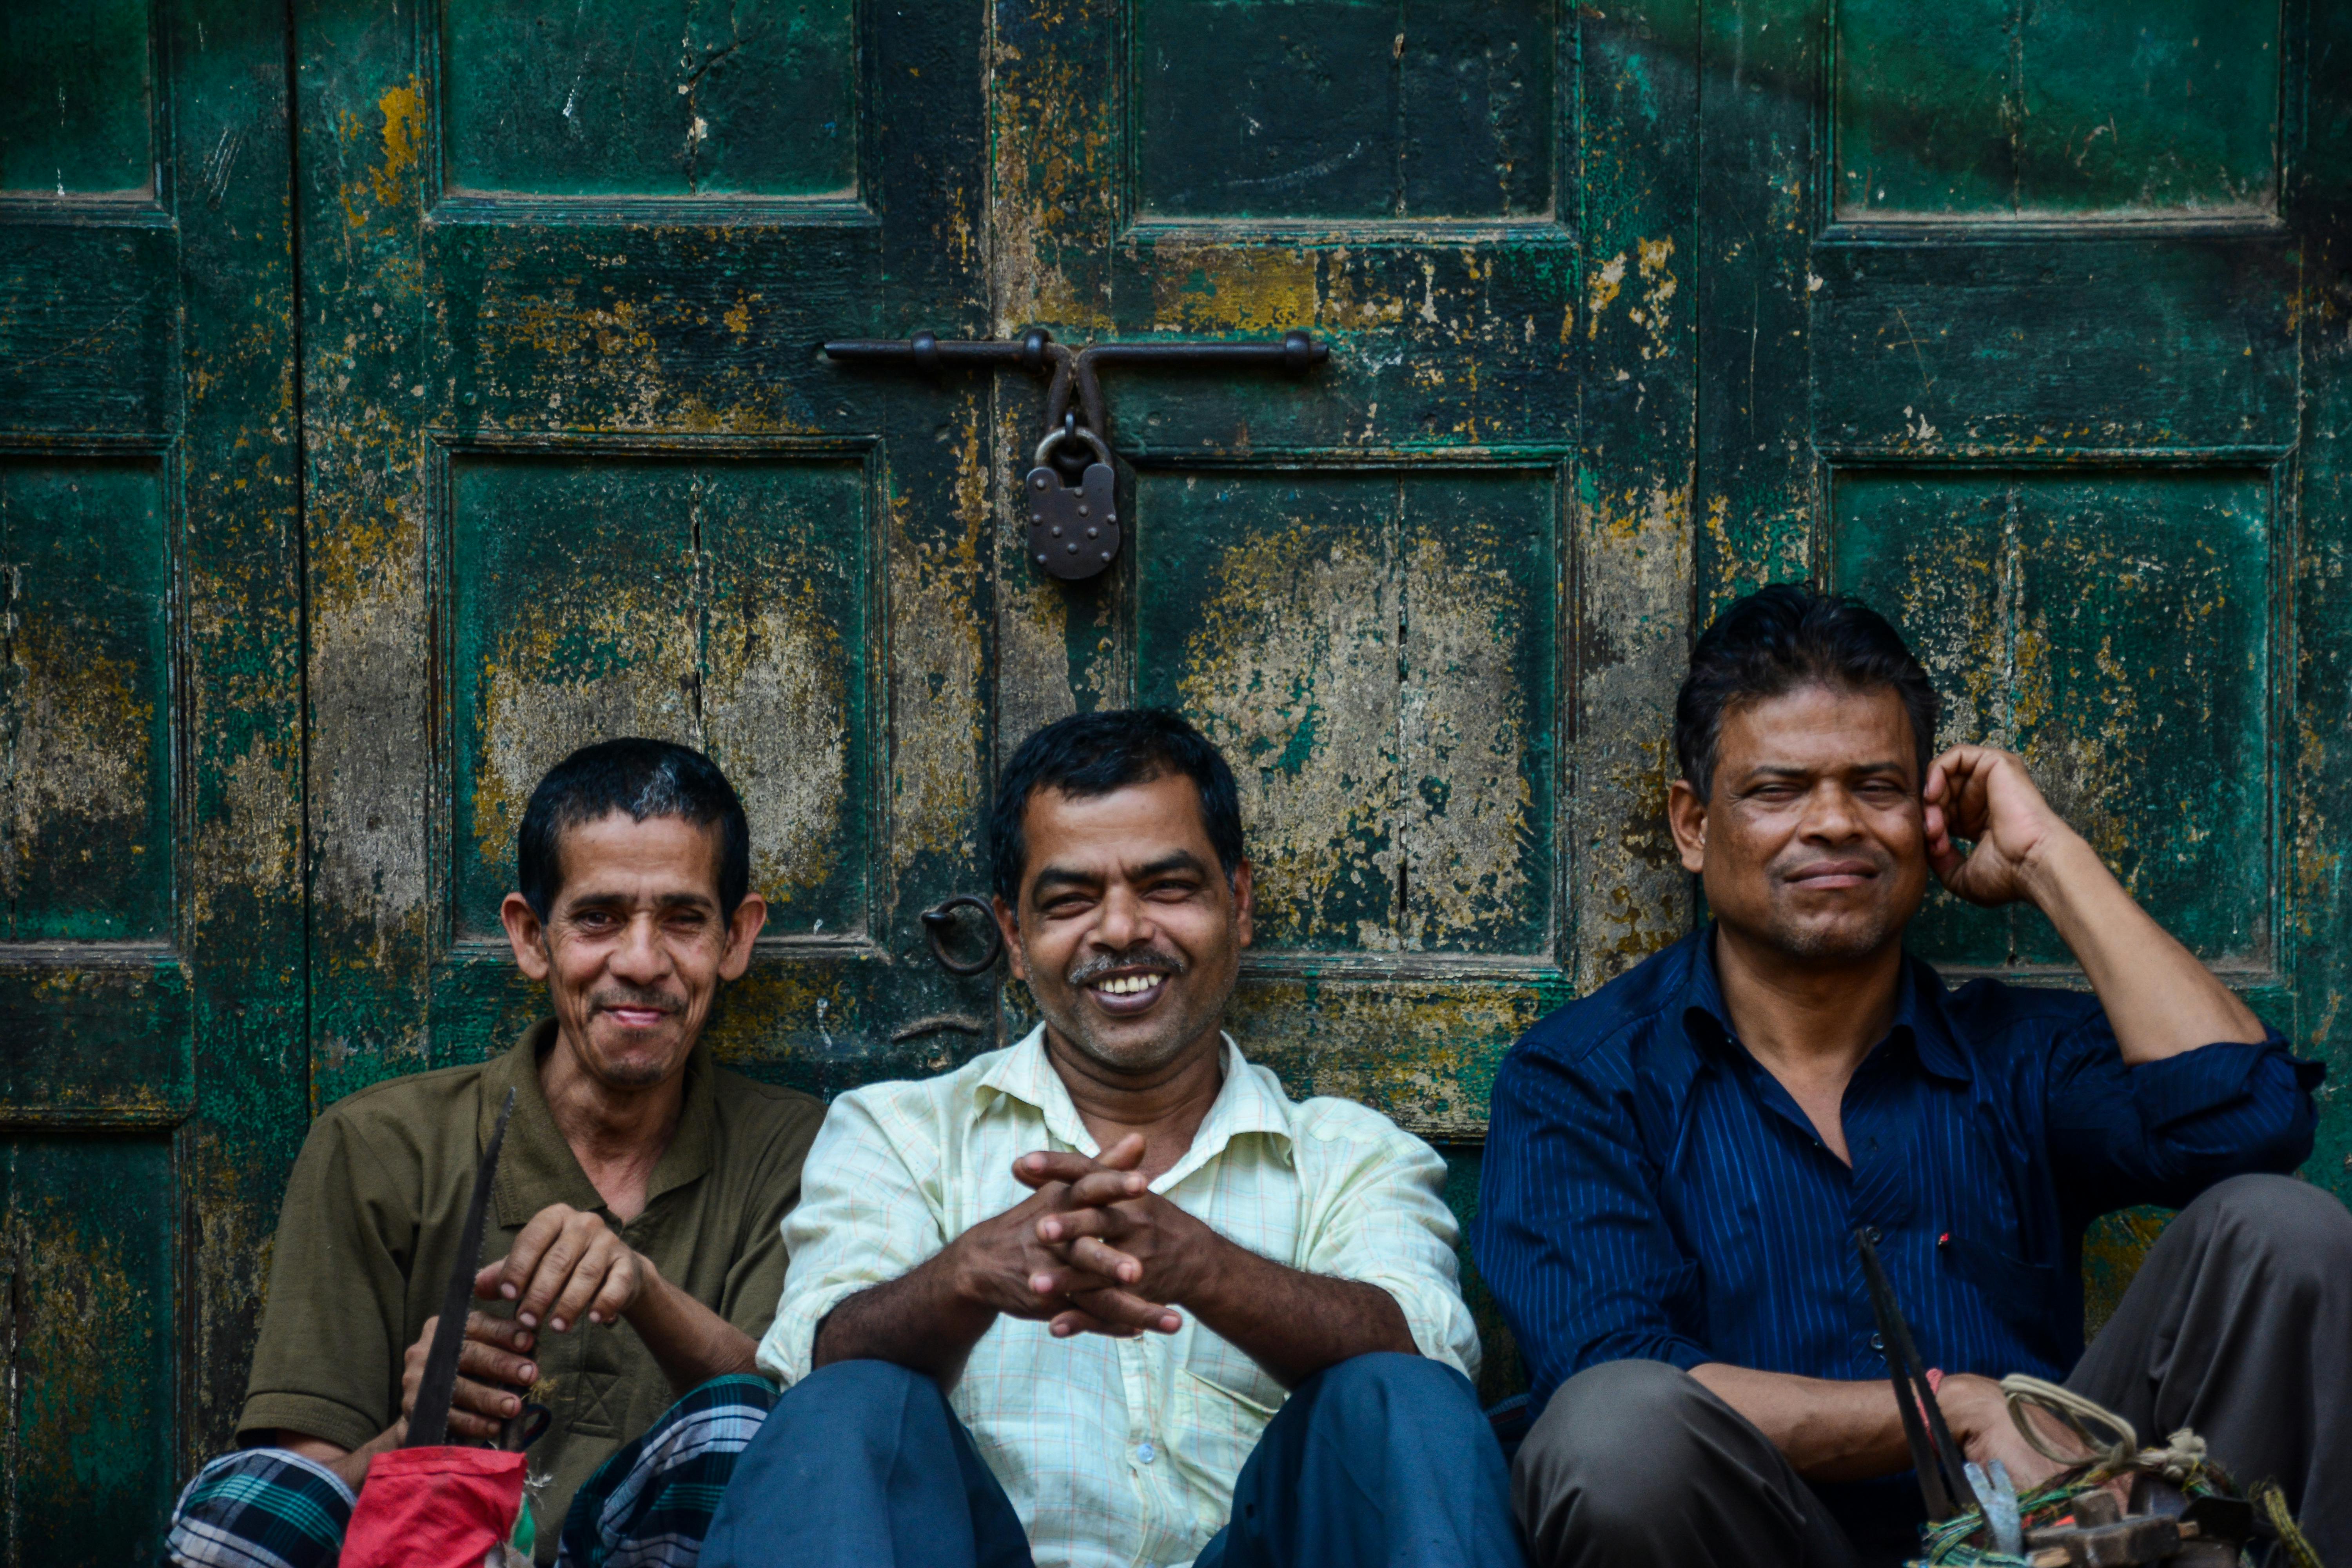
{"points": [[259, 1508], [650, 1504]]}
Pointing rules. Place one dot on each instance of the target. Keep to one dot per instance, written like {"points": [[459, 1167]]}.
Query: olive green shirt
{"points": [[370, 1229]]}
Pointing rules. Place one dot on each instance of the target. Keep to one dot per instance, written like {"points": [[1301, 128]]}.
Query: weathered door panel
{"points": [[576, 469], [150, 963], [1375, 588], [2012, 311]]}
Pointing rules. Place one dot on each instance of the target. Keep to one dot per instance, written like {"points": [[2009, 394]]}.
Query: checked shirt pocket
{"points": [[1213, 1427]]}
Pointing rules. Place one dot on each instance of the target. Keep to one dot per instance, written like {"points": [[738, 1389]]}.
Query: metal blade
{"points": [[1933, 1453], [429, 1423]]}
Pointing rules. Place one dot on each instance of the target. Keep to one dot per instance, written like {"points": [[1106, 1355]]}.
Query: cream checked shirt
{"points": [[1115, 1452]]}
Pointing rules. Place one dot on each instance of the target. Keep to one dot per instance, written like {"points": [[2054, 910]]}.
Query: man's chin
{"points": [[1834, 941], [629, 1058], [1123, 1045]]}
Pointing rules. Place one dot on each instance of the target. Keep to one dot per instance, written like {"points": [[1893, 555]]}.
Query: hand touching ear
{"points": [[1986, 796]]}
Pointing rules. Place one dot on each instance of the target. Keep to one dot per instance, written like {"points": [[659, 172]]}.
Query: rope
{"points": [[2271, 1504], [2182, 1459]]}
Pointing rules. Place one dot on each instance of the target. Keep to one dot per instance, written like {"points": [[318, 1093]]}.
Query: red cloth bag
{"points": [[433, 1508]]}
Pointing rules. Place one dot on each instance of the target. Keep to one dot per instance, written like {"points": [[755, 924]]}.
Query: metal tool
{"points": [[1942, 1480], [1997, 1497], [1074, 533], [428, 1422]]}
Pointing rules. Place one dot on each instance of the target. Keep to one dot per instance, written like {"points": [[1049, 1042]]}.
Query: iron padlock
{"points": [[1073, 533]]}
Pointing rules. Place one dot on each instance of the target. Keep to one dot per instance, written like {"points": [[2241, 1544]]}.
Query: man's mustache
{"points": [[1146, 958]]}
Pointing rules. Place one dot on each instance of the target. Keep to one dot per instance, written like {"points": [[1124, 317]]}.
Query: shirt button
{"points": [[1145, 1453], [1878, 1343], [1875, 1235]]}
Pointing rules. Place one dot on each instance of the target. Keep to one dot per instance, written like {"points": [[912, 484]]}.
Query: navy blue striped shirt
{"points": [[1650, 1191]]}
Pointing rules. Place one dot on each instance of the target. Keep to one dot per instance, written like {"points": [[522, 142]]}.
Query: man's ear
{"points": [[1008, 926], [1686, 814], [742, 931], [525, 935], [1242, 883]]}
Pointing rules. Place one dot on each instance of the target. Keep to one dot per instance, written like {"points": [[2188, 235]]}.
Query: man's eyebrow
{"points": [[1060, 877], [1182, 861], [1069, 876], [665, 902]]}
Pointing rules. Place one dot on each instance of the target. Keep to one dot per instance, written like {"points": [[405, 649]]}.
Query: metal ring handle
{"points": [[939, 919], [1045, 450]]}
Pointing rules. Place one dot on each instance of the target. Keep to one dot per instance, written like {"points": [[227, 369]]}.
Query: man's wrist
{"points": [[1210, 1275], [650, 1287], [2057, 868]]}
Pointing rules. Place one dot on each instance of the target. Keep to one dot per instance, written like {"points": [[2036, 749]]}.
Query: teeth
{"points": [[1127, 985]]}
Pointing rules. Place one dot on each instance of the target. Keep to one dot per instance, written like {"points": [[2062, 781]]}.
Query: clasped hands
{"points": [[1092, 1251]]}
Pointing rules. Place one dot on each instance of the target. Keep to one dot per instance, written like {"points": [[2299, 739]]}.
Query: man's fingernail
{"points": [[509, 1405], [508, 1291], [555, 1323], [528, 1319], [529, 1373]]}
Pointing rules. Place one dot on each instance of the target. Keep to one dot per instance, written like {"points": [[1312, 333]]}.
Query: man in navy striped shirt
{"points": [[1677, 1163]]}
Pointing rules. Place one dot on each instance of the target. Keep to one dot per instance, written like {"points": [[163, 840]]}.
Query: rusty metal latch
{"points": [[1074, 533], [941, 918]]}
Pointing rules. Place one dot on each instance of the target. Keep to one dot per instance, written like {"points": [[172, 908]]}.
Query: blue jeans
{"points": [[1382, 1461]]}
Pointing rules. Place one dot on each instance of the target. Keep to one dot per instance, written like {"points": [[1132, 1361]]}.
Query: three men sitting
{"points": [[1111, 1295]]}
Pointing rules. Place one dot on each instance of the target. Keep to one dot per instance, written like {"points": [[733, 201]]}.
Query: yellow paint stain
{"points": [[404, 140], [739, 318], [1602, 290], [1227, 289]]}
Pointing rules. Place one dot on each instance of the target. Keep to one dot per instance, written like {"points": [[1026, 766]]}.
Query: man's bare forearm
{"points": [[921, 1321], [1293, 1324], [1829, 1431], [692, 1343], [2159, 999]]}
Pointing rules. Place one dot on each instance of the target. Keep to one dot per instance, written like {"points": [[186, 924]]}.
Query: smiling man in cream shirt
{"points": [[1109, 1296]]}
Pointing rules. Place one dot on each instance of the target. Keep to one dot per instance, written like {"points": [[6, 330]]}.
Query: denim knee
{"points": [[1391, 1390]]}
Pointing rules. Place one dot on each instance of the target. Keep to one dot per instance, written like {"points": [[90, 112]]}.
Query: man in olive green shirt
{"points": [[634, 1238]]}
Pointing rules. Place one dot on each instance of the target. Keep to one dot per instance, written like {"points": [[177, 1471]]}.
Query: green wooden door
{"points": [[151, 927], [2025, 322], [2016, 320], [574, 468]]}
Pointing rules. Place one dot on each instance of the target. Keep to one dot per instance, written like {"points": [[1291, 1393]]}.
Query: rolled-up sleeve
{"points": [[2163, 1132], [869, 1211], [1377, 1215], [1570, 1235]]}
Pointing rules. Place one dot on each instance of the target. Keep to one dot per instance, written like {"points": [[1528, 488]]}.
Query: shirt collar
{"points": [[1245, 1103], [536, 1167], [1920, 1014]]}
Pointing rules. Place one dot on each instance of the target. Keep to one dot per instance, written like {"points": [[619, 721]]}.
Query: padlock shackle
{"points": [[1056, 438]]}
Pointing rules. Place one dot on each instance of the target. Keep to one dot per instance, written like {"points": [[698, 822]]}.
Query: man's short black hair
{"points": [[1782, 638], [643, 778], [1090, 754]]}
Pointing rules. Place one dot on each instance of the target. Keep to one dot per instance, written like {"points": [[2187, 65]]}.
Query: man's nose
{"points": [[640, 955], [1830, 814], [1126, 921]]}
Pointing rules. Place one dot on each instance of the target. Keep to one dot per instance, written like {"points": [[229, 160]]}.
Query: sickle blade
{"points": [[429, 1423]]}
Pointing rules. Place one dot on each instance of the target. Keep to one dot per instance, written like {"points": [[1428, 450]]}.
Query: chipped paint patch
{"points": [[773, 715], [1293, 671], [1468, 815], [938, 746], [1225, 288], [402, 109]]}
